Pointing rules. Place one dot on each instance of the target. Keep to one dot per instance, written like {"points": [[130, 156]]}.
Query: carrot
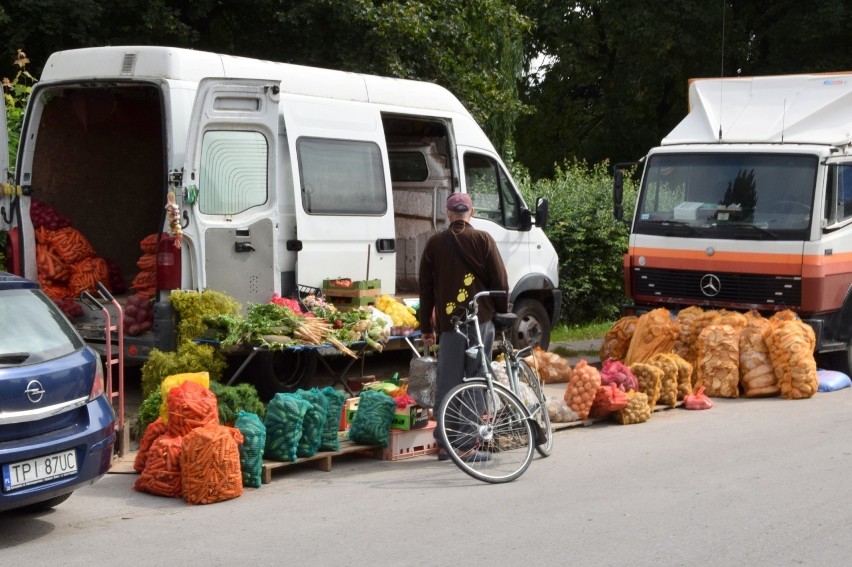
{"points": [[210, 465]]}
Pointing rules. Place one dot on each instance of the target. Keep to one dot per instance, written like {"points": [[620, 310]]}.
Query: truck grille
{"points": [[734, 288]]}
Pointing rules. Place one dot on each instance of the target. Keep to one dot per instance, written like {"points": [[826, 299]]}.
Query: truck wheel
{"points": [[282, 371], [533, 325]]}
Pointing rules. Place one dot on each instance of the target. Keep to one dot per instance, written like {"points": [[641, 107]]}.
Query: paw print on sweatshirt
{"points": [[468, 279], [462, 296], [450, 308]]}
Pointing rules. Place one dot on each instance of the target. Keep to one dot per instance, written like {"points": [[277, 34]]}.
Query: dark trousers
{"points": [[453, 365]]}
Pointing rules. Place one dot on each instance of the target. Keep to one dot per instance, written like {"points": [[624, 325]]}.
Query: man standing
{"points": [[457, 264]]}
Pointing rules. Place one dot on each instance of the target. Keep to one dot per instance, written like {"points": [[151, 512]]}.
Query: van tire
{"points": [[282, 371], [532, 326]]}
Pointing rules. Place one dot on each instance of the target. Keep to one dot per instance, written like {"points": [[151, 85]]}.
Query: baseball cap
{"points": [[459, 203]]}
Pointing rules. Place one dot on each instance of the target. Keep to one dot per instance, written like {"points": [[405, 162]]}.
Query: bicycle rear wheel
{"points": [[537, 408], [488, 437]]}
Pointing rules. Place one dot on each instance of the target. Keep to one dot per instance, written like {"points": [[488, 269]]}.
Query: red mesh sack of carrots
{"points": [[148, 245], [608, 399], [86, 273], [147, 262], [210, 464], [70, 244], [152, 432], [50, 265], [161, 475], [582, 386], [191, 405], [54, 290]]}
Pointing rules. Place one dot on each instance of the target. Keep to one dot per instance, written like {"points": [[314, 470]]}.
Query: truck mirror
{"points": [[541, 212], [618, 193], [526, 219]]}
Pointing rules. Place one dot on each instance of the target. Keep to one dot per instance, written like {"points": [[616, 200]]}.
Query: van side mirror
{"points": [[618, 194], [541, 212]]}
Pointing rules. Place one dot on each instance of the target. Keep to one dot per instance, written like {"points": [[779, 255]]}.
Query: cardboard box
{"points": [[412, 417]]}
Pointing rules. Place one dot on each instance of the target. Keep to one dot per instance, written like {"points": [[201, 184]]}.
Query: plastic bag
{"points": [[422, 378], [697, 400]]}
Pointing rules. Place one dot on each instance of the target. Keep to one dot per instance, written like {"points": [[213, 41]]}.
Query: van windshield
{"points": [[35, 329], [728, 196]]}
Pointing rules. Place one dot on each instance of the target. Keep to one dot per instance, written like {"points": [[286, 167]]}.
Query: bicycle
{"points": [[488, 428]]}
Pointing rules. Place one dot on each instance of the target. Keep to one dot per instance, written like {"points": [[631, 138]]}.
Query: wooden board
{"points": [[321, 460]]}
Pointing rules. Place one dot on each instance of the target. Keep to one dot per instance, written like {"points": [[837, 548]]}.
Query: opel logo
{"points": [[710, 285], [34, 391]]}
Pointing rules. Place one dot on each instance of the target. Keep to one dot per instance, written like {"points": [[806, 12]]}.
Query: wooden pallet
{"points": [[321, 460]]}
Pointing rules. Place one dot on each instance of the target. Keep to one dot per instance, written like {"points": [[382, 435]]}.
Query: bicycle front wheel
{"points": [[537, 407], [488, 436]]}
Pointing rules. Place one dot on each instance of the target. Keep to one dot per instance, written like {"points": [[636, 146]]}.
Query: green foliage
{"points": [[16, 94], [149, 411], [589, 241], [192, 307], [190, 357], [232, 399]]}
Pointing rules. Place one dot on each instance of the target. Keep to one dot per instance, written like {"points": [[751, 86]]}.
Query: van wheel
{"points": [[532, 326], [282, 371]]}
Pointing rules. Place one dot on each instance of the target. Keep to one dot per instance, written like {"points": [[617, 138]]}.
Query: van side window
{"points": [[492, 194], [233, 173], [341, 177]]}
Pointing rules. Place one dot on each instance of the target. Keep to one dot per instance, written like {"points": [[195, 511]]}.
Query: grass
{"points": [[572, 333]]}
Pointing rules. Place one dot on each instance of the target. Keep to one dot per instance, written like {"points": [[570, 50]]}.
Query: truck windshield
{"points": [[730, 196]]}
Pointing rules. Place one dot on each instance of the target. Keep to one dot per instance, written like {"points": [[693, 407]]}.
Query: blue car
{"points": [[57, 427]]}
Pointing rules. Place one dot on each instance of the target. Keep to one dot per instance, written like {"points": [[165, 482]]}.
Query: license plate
{"points": [[38, 470]]}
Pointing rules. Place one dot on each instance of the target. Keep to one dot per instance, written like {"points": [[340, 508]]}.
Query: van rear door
{"points": [[230, 181], [343, 204]]}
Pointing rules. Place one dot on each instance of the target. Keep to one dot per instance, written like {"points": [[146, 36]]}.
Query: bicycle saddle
{"points": [[504, 320]]}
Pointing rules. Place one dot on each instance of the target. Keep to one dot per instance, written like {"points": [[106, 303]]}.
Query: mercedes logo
{"points": [[710, 285], [34, 391]]}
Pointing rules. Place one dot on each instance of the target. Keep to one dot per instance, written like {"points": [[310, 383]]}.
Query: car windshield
{"points": [[34, 329], [734, 196]]}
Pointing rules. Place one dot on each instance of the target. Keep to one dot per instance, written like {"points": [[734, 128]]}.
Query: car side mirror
{"points": [[541, 212]]}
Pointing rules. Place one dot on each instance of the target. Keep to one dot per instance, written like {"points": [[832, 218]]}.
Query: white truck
{"points": [[747, 204], [284, 175]]}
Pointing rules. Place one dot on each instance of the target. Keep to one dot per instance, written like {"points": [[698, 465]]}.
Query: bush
{"points": [[589, 241]]}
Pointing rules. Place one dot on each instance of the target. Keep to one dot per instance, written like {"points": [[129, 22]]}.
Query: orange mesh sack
{"points": [[551, 367], [86, 273], [161, 475], [757, 374], [70, 244], [791, 347], [655, 332], [210, 464], [650, 379], [718, 361], [617, 339], [608, 399], [154, 430], [582, 387], [668, 379], [638, 409], [191, 405], [686, 319]]}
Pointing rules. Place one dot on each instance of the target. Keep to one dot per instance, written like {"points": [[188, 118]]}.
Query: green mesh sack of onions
{"points": [[251, 450], [283, 420], [372, 422], [336, 399], [313, 423]]}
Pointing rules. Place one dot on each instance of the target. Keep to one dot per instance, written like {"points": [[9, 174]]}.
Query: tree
{"points": [[618, 80], [473, 48]]}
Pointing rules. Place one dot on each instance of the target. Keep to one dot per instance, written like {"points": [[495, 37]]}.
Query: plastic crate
{"points": [[411, 443]]}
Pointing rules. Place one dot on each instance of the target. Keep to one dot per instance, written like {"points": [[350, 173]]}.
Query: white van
{"points": [[284, 175]]}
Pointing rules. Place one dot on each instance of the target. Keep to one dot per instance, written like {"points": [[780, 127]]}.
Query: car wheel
{"points": [[532, 326]]}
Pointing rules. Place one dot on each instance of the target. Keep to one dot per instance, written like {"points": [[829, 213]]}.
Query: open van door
{"points": [[229, 197], [7, 198], [344, 210]]}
